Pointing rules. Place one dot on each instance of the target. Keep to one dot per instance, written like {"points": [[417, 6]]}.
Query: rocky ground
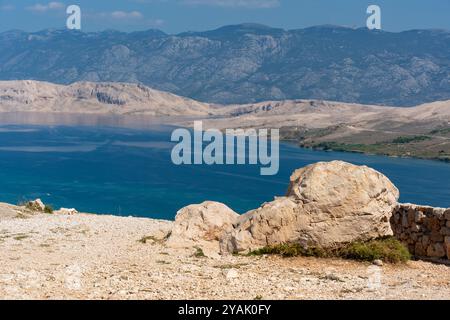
{"points": [[103, 257]]}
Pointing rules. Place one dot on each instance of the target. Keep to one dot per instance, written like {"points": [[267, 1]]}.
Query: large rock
{"points": [[327, 204], [202, 225]]}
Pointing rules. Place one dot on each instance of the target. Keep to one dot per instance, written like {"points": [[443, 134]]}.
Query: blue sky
{"points": [[173, 16]]}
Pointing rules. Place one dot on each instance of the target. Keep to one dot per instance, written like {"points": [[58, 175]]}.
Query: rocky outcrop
{"points": [[327, 204], [201, 225], [425, 230], [343, 190], [36, 205]]}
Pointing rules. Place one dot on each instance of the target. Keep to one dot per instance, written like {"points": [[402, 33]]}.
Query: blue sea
{"points": [[129, 172]]}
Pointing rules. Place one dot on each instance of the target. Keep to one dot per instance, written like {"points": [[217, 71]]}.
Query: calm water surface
{"points": [[129, 172]]}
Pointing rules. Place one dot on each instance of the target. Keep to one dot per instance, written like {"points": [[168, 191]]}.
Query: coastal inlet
{"points": [[129, 172]]}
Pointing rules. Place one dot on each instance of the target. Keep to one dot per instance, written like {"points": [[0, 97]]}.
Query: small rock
{"points": [[66, 212], [378, 263], [333, 277], [232, 274]]}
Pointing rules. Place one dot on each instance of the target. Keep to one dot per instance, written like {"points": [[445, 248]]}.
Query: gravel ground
{"points": [[101, 257]]}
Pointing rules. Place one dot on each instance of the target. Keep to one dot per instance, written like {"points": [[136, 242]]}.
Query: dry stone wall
{"points": [[425, 230]]}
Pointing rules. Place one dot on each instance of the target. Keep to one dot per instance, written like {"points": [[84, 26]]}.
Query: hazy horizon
{"points": [[176, 16], [218, 28]]}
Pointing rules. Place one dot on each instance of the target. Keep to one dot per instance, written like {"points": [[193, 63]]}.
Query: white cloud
{"points": [[126, 15], [118, 15], [259, 4], [38, 7]]}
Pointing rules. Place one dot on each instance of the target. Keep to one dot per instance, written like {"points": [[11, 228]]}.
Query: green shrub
{"points": [[199, 253], [48, 209], [387, 249]]}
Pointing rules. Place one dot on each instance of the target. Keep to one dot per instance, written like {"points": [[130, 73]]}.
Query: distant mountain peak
{"points": [[238, 29]]}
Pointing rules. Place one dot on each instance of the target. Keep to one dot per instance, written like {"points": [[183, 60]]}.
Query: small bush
{"points": [[386, 249], [48, 209], [199, 253]]}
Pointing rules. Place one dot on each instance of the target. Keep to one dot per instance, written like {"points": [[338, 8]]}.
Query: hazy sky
{"points": [[175, 16]]}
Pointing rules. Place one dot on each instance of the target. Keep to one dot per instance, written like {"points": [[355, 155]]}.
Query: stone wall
{"points": [[425, 230]]}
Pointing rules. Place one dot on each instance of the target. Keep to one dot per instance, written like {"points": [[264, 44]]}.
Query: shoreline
{"points": [[146, 122]]}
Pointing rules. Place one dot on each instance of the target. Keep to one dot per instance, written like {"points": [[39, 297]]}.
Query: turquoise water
{"points": [[129, 172]]}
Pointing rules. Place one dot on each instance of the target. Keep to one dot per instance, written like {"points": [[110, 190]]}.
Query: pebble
{"points": [[378, 263], [232, 274]]}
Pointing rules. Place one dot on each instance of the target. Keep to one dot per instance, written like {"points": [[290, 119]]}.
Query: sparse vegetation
{"points": [[231, 266], [48, 209], [343, 147], [151, 239], [404, 140], [291, 250], [424, 148], [387, 249], [199, 253], [441, 131], [420, 144], [21, 237]]}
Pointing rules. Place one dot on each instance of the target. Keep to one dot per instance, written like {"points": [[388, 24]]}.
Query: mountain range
{"points": [[245, 63]]}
